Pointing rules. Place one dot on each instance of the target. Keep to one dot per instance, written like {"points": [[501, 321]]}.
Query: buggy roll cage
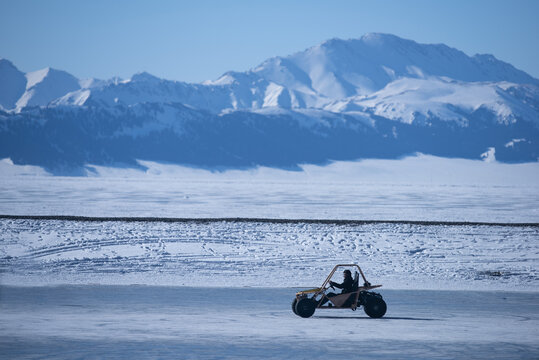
{"points": [[341, 300]]}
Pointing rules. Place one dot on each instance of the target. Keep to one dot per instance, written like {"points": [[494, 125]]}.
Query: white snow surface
{"points": [[251, 253], [415, 188], [421, 188]]}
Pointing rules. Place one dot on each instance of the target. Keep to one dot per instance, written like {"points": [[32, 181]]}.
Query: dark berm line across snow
{"points": [[263, 220]]}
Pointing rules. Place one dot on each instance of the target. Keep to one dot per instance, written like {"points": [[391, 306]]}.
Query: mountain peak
{"points": [[144, 77], [46, 85], [376, 37], [333, 41], [369, 38], [5, 63], [12, 84]]}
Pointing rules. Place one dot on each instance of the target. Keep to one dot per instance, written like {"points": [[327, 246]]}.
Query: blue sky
{"points": [[199, 40]]}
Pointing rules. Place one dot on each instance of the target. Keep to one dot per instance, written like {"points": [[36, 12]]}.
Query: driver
{"points": [[346, 286]]}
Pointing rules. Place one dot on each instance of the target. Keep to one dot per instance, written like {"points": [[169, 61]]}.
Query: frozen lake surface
{"points": [[119, 322], [414, 188]]}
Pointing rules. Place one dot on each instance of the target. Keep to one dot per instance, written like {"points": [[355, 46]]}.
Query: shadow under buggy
{"points": [[307, 301]]}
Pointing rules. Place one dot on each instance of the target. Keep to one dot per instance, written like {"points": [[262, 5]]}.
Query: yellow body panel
{"points": [[308, 291]]}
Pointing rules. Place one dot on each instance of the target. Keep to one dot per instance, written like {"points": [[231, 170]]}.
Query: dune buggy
{"points": [[307, 301]]}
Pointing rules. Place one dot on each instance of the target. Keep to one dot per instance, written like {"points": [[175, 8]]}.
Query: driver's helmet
{"points": [[347, 272]]}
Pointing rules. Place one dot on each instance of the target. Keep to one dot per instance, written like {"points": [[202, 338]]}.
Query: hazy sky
{"points": [[201, 39]]}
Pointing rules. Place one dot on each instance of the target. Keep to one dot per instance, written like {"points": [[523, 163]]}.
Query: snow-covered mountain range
{"points": [[376, 96]]}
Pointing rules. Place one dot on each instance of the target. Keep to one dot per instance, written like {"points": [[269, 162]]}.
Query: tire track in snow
{"points": [[245, 253]]}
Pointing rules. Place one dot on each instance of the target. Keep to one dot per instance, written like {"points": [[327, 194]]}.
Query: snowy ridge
{"points": [[338, 69], [408, 100], [45, 85], [334, 70]]}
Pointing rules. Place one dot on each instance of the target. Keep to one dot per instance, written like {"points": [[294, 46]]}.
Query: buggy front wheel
{"points": [[305, 307]]}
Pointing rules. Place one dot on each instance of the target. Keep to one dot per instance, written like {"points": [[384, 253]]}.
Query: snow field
{"points": [[415, 188], [220, 253]]}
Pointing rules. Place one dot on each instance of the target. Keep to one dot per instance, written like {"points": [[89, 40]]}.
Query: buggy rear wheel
{"points": [[305, 307], [375, 307]]}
